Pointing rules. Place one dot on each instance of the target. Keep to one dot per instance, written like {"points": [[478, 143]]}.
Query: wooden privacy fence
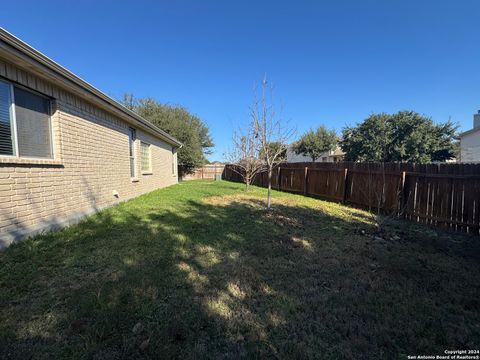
{"points": [[443, 195], [205, 172]]}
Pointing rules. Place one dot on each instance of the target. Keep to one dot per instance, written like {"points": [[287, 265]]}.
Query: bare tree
{"points": [[245, 155], [129, 101], [272, 132]]}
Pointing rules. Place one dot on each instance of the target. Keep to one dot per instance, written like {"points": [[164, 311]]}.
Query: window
{"points": [[25, 128], [6, 136], [173, 160], [132, 136], [146, 157]]}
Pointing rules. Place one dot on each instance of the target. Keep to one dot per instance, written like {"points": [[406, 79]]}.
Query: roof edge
{"points": [[468, 132], [36, 55]]}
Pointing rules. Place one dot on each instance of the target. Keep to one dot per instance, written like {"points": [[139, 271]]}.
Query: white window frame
{"points": [[149, 171], [174, 172], [13, 123], [131, 142]]}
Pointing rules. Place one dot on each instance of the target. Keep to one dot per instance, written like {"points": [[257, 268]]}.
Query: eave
{"points": [[25, 56]]}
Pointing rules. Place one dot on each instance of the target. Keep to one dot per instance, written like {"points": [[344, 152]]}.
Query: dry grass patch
{"points": [[246, 199]]}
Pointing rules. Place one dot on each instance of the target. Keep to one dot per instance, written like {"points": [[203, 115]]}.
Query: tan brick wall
{"points": [[91, 160]]}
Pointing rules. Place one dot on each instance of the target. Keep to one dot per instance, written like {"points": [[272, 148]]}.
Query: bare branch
{"points": [[274, 133], [244, 154], [262, 146]]}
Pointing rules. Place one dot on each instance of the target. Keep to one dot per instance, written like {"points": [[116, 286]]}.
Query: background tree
{"points": [[368, 141], [405, 136], [179, 123], [271, 130], [314, 143]]}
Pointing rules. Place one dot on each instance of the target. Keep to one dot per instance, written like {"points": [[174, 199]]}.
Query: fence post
{"points": [[278, 177], [402, 194], [305, 181], [345, 174]]}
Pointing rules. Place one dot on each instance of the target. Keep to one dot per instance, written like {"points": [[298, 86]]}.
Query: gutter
{"points": [[65, 74]]}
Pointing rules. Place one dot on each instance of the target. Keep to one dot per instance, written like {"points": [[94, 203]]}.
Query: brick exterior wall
{"points": [[91, 161]]}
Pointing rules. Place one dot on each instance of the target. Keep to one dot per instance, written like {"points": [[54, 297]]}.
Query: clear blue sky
{"points": [[332, 62]]}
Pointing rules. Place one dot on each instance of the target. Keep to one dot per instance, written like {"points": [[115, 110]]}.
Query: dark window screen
{"points": [[32, 116]]}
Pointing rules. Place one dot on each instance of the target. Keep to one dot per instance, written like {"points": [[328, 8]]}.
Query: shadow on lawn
{"points": [[230, 280]]}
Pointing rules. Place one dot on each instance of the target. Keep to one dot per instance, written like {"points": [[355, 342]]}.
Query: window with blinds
{"points": [[145, 157], [25, 129], [32, 117]]}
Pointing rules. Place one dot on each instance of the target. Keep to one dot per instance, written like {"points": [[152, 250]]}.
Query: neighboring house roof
{"points": [[468, 132], [335, 152], [23, 54]]}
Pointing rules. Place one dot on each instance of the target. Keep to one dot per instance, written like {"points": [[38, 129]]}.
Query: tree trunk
{"points": [[269, 191], [247, 183]]}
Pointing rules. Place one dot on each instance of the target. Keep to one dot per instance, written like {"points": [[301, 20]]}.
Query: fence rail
{"points": [[442, 195]]}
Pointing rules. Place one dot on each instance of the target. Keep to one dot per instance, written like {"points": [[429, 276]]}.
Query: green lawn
{"points": [[201, 270]]}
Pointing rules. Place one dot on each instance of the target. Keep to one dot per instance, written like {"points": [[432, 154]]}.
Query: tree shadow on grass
{"points": [[230, 280]]}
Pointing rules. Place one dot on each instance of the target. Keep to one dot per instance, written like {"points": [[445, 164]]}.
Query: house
{"points": [[67, 149], [329, 156], [470, 142]]}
